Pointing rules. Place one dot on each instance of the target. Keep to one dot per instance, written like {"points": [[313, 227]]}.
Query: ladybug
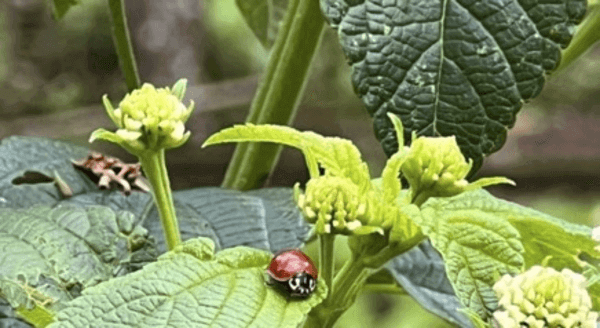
{"points": [[293, 273]]}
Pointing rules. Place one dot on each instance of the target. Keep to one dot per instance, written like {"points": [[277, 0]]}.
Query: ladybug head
{"points": [[301, 285]]}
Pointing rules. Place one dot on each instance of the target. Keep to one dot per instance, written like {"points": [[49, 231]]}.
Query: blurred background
{"points": [[53, 74]]}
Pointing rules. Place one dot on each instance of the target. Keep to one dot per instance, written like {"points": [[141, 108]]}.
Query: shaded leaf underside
{"points": [[422, 274], [451, 67]]}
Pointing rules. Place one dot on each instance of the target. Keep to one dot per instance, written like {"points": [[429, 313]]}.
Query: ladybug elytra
{"points": [[293, 273]]}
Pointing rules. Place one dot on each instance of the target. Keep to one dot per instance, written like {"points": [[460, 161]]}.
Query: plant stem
{"points": [[155, 169], [122, 41], [326, 261], [587, 34], [279, 95], [346, 286], [390, 289]]}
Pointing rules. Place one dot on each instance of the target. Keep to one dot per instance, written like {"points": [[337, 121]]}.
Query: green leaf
{"points": [[421, 274], [263, 18], [477, 247], [60, 250], [190, 287], [29, 166], [451, 67], [338, 156], [266, 219], [30, 303], [545, 239], [60, 7], [179, 89]]}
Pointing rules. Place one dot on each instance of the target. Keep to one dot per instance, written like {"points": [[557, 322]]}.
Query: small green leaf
{"points": [[190, 287], [338, 156], [477, 248], [390, 179], [179, 89], [263, 17], [60, 7]]}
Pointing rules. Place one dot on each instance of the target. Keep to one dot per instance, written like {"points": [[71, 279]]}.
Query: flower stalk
{"points": [[122, 40], [149, 121]]}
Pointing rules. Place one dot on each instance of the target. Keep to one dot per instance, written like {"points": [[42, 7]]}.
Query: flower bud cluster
{"points": [[334, 204], [437, 165], [149, 119], [544, 297]]}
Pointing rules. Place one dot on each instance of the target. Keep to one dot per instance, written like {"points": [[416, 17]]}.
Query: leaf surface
{"points": [[421, 274], [451, 67], [61, 250], [545, 238], [42, 159], [477, 247], [266, 219], [263, 18], [190, 287]]}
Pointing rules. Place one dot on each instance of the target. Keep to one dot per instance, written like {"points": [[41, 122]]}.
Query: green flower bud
{"points": [[544, 297], [435, 167], [333, 204], [437, 164], [148, 119]]}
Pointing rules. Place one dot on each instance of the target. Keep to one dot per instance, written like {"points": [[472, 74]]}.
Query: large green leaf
{"points": [[451, 67], [557, 242], [29, 166], [477, 247], [263, 17], [266, 219], [66, 246], [421, 274], [190, 287]]}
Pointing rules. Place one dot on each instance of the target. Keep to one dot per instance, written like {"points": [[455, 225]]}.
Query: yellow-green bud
{"points": [[435, 167], [436, 164], [544, 297], [334, 204], [148, 119]]}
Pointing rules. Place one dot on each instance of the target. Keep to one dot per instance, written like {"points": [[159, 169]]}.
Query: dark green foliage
{"points": [[451, 67], [421, 274]]}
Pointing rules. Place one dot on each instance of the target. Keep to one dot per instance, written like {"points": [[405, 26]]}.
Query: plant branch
{"points": [[326, 260], [279, 95], [122, 41], [155, 169]]}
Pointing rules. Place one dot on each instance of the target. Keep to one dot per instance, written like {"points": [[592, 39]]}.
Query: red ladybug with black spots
{"points": [[293, 273]]}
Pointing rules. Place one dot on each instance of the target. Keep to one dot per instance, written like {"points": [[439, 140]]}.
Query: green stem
{"points": [[391, 251], [326, 261], [122, 41], [587, 34], [390, 289], [346, 286], [279, 95], [155, 169]]}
